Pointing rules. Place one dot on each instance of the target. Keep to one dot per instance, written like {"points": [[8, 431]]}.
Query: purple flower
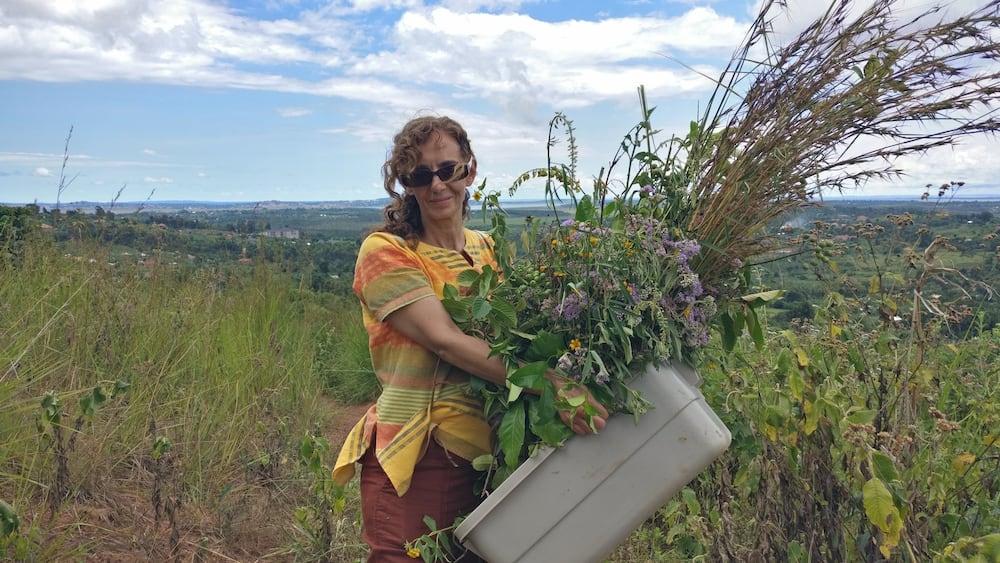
{"points": [[574, 303]]}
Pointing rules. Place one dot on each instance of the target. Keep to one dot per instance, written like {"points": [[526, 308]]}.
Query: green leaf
{"points": [[861, 416], [100, 396], [755, 329], [882, 512], [762, 298], [9, 520], [457, 310], [530, 375], [450, 292], [483, 463], [505, 313], [544, 422], [468, 277], [691, 500], [545, 345], [729, 333], [87, 407], [52, 407], [511, 434], [119, 388], [584, 209], [481, 308], [884, 468], [795, 384], [812, 411]]}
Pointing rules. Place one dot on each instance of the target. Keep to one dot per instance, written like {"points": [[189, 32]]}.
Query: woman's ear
{"points": [[472, 173]]}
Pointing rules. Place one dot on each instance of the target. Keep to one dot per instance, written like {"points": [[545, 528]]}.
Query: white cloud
{"points": [[163, 180], [149, 152], [42, 171], [514, 60], [294, 111]]}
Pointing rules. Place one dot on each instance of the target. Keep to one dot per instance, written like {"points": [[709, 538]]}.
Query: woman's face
{"points": [[440, 200]]}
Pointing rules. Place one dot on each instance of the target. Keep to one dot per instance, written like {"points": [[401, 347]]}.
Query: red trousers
{"points": [[442, 488]]}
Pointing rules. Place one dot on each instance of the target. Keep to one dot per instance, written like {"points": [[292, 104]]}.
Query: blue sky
{"points": [[297, 100]]}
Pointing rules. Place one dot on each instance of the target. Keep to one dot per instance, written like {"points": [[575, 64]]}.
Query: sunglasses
{"points": [[423, 176]]}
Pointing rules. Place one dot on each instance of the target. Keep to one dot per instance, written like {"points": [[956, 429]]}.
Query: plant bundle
{"points": [[638, 269]]}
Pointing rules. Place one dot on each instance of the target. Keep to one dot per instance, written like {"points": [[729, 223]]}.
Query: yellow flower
{"points": [[413, 552], [575, 344], [542, 268], [555, 242], [478, 196], [628, 244], [593, 240]]}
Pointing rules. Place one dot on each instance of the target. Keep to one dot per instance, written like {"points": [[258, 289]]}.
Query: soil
{"points": [[114, 519]]}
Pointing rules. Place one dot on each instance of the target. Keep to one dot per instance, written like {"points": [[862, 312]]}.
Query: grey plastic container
{"points": [[579, 502]]}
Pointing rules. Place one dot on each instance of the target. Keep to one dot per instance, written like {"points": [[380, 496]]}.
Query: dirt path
{"points": [[340, 420]]}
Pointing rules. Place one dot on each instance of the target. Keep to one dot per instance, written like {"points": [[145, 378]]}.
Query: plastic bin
{"points": [[581, 501]]}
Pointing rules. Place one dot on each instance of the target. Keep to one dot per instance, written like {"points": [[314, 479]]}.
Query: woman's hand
{"points": [[577, 418]]}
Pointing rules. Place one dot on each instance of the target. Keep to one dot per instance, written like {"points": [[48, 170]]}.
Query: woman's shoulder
{"points": [[381, 239], [479, 237]]}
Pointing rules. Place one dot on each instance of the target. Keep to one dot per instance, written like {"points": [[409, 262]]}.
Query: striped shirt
{"points": [[388, 276]]}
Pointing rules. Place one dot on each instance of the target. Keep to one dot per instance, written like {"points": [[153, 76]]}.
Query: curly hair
{"points": [[402, 214]]}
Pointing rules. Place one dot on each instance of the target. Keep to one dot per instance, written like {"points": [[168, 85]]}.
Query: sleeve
{"points": [[389, 276]]}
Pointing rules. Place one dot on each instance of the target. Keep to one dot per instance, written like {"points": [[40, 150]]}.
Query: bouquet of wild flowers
{"points": [[602, 288], [640, 268]]}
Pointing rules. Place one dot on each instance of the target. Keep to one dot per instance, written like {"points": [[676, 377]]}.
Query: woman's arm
{"points": [[427, 323]]}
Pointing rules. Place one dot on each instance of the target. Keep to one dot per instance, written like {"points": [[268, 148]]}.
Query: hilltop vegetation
{"points": [[169, 386]]}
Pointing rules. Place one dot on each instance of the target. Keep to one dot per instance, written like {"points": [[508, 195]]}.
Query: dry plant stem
{"points": [[63, 182], [833, 109]]}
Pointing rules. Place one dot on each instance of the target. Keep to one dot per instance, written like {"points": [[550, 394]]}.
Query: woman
{"points": [[416, 443]]}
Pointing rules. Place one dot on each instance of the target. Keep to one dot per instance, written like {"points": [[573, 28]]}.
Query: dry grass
{"points": [[833, 109]]}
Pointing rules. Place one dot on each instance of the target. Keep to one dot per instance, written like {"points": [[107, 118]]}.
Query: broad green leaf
{"points": [[883, 466], [854, 356], [530, 375], [882, 512], [457, 311], [729, 332], [861, 416], [481, 308], [9, 520], [546, 424], [545, 345], [450, 292], [87, 406], [505, 313], [755, 329], [469, 277], [691, 500], [511, 433], [100, 396], [584, 209], [783, 363], [762, 298], [119, 388], [513, 391], [795, 384]]}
